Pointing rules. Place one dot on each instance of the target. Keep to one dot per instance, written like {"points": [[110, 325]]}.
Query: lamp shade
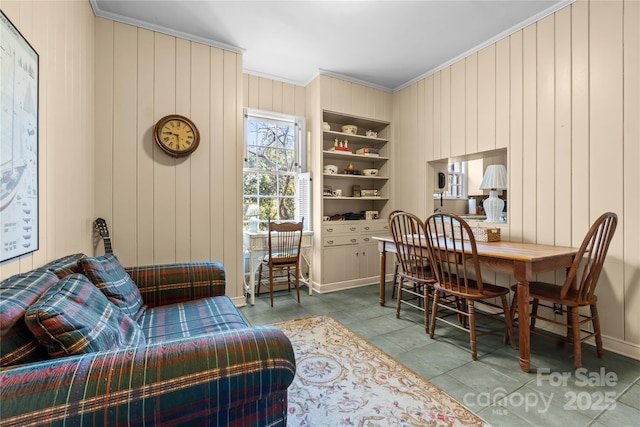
{"points": [[253, 210], [495, 178]]}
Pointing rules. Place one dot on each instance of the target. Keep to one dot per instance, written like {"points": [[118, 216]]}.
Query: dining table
{"points": [[519, 259]]}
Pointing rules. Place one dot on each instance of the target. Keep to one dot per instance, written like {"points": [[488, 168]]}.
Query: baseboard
{"points": [[624, 348], [323, 288], [240, 301], [614, 345]]}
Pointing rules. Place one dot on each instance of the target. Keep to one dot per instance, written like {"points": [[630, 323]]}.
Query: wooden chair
{"points": [[396, 276], [284, 254], [459, 280], [577, 291], [409, 238]]}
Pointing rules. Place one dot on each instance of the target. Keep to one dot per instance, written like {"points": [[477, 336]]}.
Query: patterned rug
{"points": [[343, 380]]}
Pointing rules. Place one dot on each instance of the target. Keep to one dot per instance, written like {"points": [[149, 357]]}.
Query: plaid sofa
{"points": [[200, 362]]}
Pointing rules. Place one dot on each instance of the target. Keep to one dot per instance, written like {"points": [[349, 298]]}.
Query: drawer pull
{"points": [[367, 228], [352, 228], [330, 242], [329, 230], [386, 227], [354, 240], [366, 239]]}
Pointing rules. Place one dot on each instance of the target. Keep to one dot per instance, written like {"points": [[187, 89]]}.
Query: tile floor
{"points": [[606, 393]]}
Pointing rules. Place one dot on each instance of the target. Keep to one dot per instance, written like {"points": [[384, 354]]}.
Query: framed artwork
{"points": [[18, 143]]}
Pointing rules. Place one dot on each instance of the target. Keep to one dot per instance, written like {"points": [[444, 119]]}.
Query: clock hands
{"points": [[182, 141], [177, 135]]}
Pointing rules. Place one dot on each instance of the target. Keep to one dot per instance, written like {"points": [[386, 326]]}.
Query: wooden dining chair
{"points": [[454, 260], [396, 270], [416, 279], [284, 240], [578, 290]]}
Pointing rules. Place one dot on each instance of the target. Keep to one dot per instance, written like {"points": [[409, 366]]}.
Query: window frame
{"points": [[301, 199], [458, 170]]}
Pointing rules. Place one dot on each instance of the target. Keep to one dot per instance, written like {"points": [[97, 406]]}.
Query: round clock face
{"points": [[176, 135]]}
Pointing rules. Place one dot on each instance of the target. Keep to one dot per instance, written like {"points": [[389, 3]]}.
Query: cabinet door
{"points": [[369, 258], [340, 263]]}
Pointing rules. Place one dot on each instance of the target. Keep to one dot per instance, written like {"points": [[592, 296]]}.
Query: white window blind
{"points": [[303, 199]]}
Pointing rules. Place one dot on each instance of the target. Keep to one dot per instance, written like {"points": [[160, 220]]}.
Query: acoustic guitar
{"points": [[101, 227]]}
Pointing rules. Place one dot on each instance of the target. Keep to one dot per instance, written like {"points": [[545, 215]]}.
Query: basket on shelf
{"points": [[482, 234]]}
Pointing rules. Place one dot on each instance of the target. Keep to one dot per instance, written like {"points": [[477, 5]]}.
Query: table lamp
{"points": [[253, 212], [495, 178]]}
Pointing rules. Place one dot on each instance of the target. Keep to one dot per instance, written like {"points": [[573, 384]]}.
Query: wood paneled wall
{"points": [[563, 96], [354, 99], [266, 94], [62, 33], [160, 209]]}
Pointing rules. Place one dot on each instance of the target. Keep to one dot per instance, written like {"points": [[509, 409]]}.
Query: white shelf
{"points": [[364, 124], [346, 176], [359, 157], [353, 198], [354, 138]]}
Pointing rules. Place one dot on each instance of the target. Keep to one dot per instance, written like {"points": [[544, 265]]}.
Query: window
{"points": [[457, 180], [275, 185]]}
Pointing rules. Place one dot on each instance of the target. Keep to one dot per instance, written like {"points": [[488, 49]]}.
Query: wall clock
{"points": [[176, 135]]}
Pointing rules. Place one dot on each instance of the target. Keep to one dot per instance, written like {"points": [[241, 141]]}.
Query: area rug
{"points": [[343, 380]]}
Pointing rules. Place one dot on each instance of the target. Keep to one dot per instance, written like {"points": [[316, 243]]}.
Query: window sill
{"points": [[437, 197]]}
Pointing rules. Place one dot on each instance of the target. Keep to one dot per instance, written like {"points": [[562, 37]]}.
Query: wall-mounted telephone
{"points": [[442, 182]]}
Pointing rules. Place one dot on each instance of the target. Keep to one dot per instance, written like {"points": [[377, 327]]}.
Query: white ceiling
{"points": [[383, 44]]}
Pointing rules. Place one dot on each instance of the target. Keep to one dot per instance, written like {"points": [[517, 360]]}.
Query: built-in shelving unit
{"points": [[349, 254], [371, 135]]}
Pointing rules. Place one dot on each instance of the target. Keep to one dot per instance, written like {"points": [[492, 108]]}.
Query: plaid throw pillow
{"points": [[110, 277], [74, 317], [66, 265], [17, 293]]}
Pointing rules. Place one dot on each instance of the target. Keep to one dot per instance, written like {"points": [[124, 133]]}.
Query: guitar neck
{"points": [[107, 245], [101, 227]]}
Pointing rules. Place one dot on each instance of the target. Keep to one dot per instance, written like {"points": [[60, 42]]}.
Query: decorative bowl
{"points": [[370, 172], [330, 169], [350, 129]]}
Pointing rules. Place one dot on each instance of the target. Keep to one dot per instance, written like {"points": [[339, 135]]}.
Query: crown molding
{"points": [[274, 77], [495, 39], [160, 29], [353, 80], [314, 76], [142, 24]]}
